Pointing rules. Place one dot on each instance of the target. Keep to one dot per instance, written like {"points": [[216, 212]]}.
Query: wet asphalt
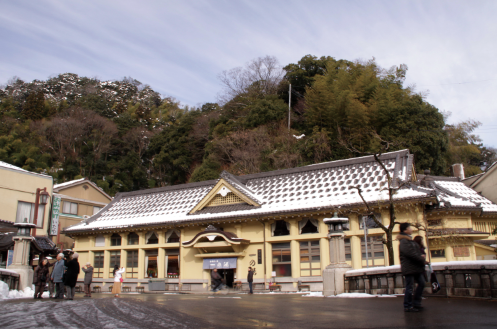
{"points": [[243, 311]]}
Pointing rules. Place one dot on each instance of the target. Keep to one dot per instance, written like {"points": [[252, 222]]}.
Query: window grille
{"points": [[348, 249], [98, 264], [133, 238], [310, 258], [115, 259], [132, 264], [230, 198], [375, 248], [282, 259], [115, 240]]}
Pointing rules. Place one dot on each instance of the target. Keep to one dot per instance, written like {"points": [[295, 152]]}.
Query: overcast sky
{"points": [[180, 47]]}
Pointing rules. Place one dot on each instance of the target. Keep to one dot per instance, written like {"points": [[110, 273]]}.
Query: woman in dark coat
{"points": [[419, 240], [71, 275], [40, 278]]}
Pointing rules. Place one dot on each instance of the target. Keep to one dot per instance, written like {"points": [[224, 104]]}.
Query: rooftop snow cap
{"points": [[318, 187]]}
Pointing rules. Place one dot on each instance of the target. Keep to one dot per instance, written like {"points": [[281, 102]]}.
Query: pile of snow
{"points": [[28, 292], [314, 294]]}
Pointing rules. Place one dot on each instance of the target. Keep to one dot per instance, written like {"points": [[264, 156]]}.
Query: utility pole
{"points": [[289, 104]]}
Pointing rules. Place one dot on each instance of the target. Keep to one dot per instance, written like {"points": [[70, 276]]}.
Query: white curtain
{"points": [[170, 232], [100, 241], [302, 224], [315, 223], [288, 226], [148, 235], [23, 211], [273, 227], [146, 266]]}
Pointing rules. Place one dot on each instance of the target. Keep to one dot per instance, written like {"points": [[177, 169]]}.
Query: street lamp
{"points": [[41, 198]]}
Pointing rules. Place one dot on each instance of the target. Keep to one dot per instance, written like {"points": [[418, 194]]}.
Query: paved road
{"points": [[244, 311]]}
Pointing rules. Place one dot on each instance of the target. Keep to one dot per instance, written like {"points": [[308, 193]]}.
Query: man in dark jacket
{"points": [[215, 280], [412, 264], [250, 279], [57, 276], [88, 269]]}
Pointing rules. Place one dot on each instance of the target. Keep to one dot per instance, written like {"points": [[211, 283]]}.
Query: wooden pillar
{"points": [[355, 246], [161, 259]]}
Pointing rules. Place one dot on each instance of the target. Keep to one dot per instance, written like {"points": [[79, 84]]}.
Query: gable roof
{"points": [[454, 194], [484, 175], [62, 186], [309, 188], [8, 166]]}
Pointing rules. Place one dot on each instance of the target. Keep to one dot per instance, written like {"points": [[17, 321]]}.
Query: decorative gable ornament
{"points": [[224, 191]]}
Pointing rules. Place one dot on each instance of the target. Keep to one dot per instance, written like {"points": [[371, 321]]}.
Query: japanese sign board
{"points": [[54, 223], [212, 263]]}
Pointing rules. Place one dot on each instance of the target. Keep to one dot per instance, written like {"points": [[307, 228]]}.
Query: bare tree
{"points": [[261, 76], [391, 188]]}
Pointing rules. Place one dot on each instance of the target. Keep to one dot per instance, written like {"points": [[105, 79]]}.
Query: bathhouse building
{"points": [[277, 222]]}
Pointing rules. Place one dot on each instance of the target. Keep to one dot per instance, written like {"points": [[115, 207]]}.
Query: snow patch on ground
{"points": [[28, 292], [314, 294], [360, 295]]}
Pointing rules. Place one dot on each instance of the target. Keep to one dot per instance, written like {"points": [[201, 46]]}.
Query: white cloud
{"points": [[179, 48]]}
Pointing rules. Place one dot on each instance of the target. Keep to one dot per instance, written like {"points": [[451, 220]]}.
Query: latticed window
{"points": [[375, 248], [230, 198], [115, 240], [98, 264], [132, 264], [282, 259], [133, 238], [310, 258], [115, 259], [348, 249]]}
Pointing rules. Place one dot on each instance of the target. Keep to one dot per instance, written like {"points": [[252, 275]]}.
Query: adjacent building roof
{"points": [[316, 187], [59, 187], [8, 166], [454, 194]]}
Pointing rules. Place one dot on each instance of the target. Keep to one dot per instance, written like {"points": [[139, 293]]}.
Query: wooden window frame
{"points": [[375, 246], [309, 248], [98, 264], [281, 250], [132, 264]]}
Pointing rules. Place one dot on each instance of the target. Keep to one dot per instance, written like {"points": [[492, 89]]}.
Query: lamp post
{"points": [[41, 198], [333, 274]]}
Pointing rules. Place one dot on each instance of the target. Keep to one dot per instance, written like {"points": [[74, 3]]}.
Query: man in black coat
{"points": [[412, 263], [215, 280], [250, 279]]}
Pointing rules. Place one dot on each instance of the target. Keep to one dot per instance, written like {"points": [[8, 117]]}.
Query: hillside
{"points": [[125, 136]]}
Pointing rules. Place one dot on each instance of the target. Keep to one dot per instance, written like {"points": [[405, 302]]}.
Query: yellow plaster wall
{"points": [[79, 192], [18, 186]]}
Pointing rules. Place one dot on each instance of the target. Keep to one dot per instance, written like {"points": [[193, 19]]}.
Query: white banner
{"points": [[54, 223]]}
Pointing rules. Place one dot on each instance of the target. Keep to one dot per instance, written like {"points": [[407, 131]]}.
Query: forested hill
{"points": [[125, 136]]}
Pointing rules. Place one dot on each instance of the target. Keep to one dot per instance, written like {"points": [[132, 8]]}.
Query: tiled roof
{"points": [[455, 194], [321, 186], [488, 243]]}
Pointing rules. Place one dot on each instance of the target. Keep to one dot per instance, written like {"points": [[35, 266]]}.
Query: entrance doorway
{"points": [[228, 275]]}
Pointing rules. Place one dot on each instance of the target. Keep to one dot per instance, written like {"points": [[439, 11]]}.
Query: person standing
{"points": [[40, 278], [412, 264], [118, 279], [72, 275], [419, 240], [250, 279], [215, 280], [88, 269], [57, 276]]}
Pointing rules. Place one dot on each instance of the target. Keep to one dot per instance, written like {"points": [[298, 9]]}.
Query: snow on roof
{"points": [[6, 165], [457, 194], [323, 186], [56, 186]]}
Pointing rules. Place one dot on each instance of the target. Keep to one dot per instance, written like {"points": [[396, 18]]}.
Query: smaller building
{"points": [[76, 200]]}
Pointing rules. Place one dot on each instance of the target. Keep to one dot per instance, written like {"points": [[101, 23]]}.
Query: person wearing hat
{"points": [[88, 269], [57, 276]]}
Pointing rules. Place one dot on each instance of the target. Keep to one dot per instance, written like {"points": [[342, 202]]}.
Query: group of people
{"points": [[63, 277], [217, 281]]}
